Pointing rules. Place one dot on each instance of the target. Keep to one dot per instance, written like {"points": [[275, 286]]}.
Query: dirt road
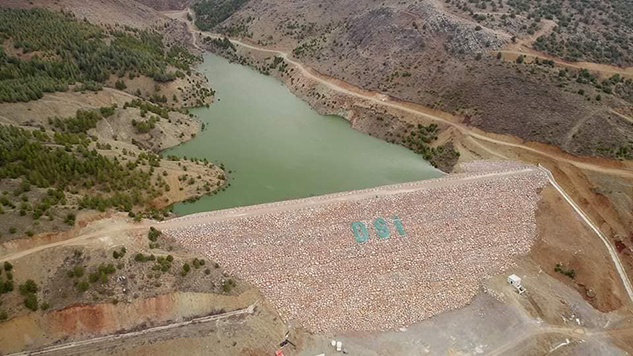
{"points": [[612, 252], [105, 341], [510, 347], [604, 70]]}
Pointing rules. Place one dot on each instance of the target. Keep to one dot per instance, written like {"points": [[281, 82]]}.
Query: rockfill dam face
{"points": [[380, 258]]}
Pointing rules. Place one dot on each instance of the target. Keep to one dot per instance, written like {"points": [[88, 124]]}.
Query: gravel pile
{"points": [[311, 268]]}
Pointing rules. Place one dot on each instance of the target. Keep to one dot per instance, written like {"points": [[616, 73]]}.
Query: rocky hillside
{"points": [[442, 56]]}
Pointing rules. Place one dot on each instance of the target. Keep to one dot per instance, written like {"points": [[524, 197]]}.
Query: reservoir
{"points": [[278, 148]]}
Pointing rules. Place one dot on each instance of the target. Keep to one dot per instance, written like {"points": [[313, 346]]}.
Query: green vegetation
{"points": [[148, 107], [419, 140], [227, 285], [144, 258], [76, 272], [82, 286], [210, 13], [197, 263], [28, 287], [120, 85], [83, 121], [153, 234], [31, 302], [571, 273], [7, 286], [119, 254], [163, 264], [591, 30], [70, 219], [145, 126], [101, 274], [63, 51], [28, 155], [311, 47], [28, 290], [224, 43], [185, 269]]}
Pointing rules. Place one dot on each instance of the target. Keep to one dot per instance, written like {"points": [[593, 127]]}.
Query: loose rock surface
{"points": [[310, 266]]}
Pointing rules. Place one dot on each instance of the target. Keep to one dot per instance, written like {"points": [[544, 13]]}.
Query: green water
{"points": [[278, 148]]}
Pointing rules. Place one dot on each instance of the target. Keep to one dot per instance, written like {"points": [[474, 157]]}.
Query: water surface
{"points": [[279, 148]]}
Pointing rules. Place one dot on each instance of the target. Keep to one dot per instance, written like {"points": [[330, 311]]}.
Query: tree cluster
{"points": [[65, 51], [210, 13]]}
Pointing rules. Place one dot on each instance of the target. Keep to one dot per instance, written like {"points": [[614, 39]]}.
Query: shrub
{"points": [[70, 219], [4, 316], [83, 286], [6, 287], [8, 266], [571, 273], [30, 301], [45, 306], [120, 253], [120, 85], [153, 234], [227, 285], [28, 287]]}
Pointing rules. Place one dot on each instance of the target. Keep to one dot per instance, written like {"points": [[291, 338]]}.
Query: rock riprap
{"points": [[309, 264]]}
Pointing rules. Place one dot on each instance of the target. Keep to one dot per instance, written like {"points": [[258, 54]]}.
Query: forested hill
{"points": [[44, 51], [210, 13]]}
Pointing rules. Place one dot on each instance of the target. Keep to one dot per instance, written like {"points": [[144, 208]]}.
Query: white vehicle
{"points": [[515, 281]]}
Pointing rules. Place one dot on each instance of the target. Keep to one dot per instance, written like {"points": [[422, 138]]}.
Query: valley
{"points": [[159, 199]]}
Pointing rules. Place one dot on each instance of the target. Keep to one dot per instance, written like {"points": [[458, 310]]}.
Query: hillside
{"points": [[438, 55], [85, 109]]}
